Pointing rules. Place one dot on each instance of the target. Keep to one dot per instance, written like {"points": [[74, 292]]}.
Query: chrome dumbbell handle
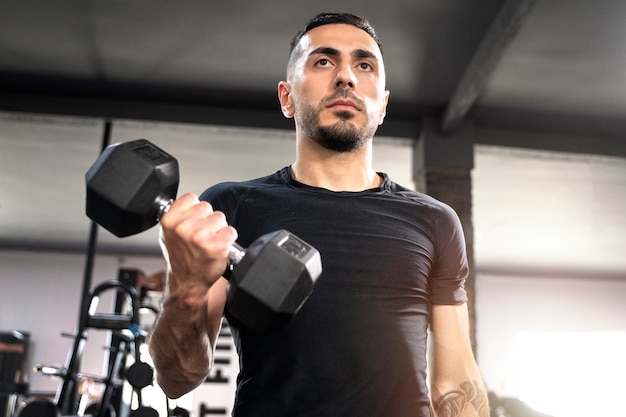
{"points": [[235, 252]]}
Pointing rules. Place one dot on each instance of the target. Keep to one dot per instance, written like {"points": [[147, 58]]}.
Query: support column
{"points": [[442, 168]]}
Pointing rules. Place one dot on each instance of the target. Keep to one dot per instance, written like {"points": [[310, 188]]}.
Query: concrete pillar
{"points": [[442, 168]]}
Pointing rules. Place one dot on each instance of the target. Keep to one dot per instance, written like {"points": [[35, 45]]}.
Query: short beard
{"points": [[342, 137]]}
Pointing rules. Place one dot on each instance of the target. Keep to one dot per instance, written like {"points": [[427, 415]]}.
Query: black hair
{"points": [[330, 18]]}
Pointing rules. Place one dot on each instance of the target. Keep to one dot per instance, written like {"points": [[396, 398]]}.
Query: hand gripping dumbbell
{"points": [[132, 184]]}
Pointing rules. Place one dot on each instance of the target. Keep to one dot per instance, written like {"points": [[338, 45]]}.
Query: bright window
{"points": [[571, 374]]}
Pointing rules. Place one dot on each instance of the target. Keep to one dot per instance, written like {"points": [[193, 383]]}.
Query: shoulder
{"points": [[225, 191], [436, 208]]}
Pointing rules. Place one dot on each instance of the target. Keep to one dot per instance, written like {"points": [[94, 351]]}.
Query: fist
{"points": [[195, 240]]}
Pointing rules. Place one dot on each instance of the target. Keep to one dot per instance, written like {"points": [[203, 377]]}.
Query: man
{"points": [[394, 261]]}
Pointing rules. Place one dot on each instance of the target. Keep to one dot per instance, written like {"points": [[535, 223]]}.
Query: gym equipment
{"points": [[39, 407], [132, 184], [94, 409], [128, 336], [180, 412], [13, 383], [139, 375]]}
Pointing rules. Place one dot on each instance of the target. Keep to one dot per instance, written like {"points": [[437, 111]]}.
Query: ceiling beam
{"points": [[240, 114], [503, 29]]}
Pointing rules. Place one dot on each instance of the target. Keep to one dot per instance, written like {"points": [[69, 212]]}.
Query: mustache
{"points": [[343, 93]]}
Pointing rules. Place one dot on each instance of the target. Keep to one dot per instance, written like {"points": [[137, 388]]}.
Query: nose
{"points": [[345, 78]]}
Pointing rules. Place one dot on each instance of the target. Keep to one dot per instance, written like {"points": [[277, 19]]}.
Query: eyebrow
{"points": [[357, 53]]}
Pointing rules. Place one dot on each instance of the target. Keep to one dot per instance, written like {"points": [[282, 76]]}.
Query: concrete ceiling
{"points": [[554, 68], [556, 64]]}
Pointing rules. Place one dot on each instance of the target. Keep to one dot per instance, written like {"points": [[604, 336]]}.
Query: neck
{"points": [[335, 171]]}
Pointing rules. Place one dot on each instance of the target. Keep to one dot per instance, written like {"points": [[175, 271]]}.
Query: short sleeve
{"points": [[450, 270]]}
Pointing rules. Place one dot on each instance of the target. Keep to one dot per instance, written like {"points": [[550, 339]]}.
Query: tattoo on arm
{"points": [[468, 400]]}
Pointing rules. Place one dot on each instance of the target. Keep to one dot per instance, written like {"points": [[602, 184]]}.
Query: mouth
{"points": [[343, 105]]}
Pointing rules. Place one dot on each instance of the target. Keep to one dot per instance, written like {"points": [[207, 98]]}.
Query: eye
{"points": [[323, 62], [366, 66]]}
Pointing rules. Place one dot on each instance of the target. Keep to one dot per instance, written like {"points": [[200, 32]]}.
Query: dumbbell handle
{"points": [[235, 253]]}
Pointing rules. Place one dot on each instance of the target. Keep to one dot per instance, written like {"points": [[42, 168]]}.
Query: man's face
{"points": [[336, 87]]}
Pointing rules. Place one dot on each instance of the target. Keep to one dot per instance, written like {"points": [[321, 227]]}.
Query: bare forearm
{"points": [[195, 241], [469, 400], [180, 347]]}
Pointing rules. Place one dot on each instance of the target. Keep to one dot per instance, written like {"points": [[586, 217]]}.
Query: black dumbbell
{"points": [[132, 184], [39, 407], [139, 375], [180, 412]]}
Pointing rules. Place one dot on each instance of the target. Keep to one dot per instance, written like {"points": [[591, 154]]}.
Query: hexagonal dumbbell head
{"points": [[128, 185], [273, 280]]}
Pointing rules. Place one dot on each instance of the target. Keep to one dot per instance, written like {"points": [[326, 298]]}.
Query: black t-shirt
{"points": [[357, 347]]}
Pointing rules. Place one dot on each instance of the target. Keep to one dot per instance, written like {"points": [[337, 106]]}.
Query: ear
{"points": [[286, 102], [383, 109]]}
